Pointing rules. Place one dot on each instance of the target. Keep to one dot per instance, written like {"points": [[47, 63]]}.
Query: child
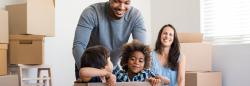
{"points": [[96, 66], [135, 62]]}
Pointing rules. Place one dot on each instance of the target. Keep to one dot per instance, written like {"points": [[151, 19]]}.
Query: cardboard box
{"points": [[3, 59], [190, 37], [26, 49], [4, 28], [36, 17], [9, 80], [203, 79], [198, 56], [117, 84], [54, 3]]}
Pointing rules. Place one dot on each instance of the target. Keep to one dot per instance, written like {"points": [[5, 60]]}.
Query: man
{"points": [[109, 24]]}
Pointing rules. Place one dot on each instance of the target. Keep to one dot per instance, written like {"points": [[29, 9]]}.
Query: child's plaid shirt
{"points": [[122, 76]]}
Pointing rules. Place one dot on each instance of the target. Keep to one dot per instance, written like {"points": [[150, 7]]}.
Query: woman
{"points": [[167, 60]]}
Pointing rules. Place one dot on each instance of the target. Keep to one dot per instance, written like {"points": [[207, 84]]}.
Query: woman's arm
{"points": [[181, 71]]}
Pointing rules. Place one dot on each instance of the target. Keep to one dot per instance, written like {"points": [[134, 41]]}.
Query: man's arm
{"points": [[82, 34], [139, 30]]}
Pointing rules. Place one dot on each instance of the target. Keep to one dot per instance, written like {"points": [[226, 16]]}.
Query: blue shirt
{"points": [[95, 27], [122, 76], [166, 72]]}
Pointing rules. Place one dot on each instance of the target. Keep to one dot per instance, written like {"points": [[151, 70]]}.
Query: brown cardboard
{"points": [[26, 49], [3, 59], [190, 37], [9, 80], [203, 79], [4, 28], [117, 84], [54, 3], [198, 56], [36, 17]]}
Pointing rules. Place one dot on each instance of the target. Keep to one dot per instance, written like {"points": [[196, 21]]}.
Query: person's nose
{"points": [[121, 6], [167, 36], [137, 61]]}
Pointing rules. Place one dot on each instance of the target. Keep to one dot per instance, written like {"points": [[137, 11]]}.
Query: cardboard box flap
{"points": [[3, 46], [190, 37], [27, 37]]}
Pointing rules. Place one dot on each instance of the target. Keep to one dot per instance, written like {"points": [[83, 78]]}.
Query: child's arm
{"points": [[154, 81], [164, 80], [87, 73]]}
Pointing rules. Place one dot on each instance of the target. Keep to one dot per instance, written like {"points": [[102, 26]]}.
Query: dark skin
{"points": [[118, 8]]}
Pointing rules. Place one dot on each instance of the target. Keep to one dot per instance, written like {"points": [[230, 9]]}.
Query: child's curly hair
{"points": [[130, 48]]}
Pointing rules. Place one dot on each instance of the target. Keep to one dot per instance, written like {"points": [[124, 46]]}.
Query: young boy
{"points": [[135, 62], [96, 66]]}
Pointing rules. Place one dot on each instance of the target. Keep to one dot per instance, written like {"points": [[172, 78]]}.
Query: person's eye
{"points": [[127, 3], [132, 58], [165, 33], [141, 60], [171, 34]]}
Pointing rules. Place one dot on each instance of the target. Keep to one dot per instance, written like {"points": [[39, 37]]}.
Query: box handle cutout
{"points": [[25, 42]]}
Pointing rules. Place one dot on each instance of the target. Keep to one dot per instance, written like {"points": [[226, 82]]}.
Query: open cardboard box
{"points": [[190, 37]]}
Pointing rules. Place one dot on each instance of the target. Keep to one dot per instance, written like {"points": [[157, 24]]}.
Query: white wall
{"points": [[183, 14], [233, 62]]}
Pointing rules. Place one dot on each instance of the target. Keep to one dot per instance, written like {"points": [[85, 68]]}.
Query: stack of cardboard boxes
{"points": [[24, 27], [29, 23], [5, 79], [4, 40], [198, 61]]}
